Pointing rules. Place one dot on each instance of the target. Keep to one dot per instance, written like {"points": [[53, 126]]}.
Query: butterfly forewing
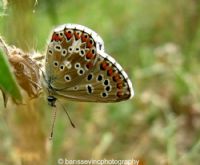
{"points": [[77, 67], [69, 55]]}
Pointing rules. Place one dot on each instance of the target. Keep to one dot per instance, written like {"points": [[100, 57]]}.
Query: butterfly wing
{"points": [[77, 67], [70, 54]]}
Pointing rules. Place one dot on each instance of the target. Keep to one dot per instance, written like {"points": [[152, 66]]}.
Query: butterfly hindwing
{"points": [[77, 67], [106, 82]]}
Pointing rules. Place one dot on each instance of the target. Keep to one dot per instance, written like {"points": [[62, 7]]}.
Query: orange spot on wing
{"points": [[77, 35], [110, 72], [104, 65], [116, 77], [89, 65], [90, 43], [89, 55], [84, 37], [55, 37], [120, 94], [119, 85], [68, 34]]}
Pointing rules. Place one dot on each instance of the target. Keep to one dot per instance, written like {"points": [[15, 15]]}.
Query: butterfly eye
{"points": [[64, 52], [67, 78], [55, 63]]}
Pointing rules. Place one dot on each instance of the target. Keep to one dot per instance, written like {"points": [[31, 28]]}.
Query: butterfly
{"points": [[78, 68]]}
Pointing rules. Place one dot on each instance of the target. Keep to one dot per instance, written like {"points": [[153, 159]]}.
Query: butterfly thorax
{"points": [[50, 90]]}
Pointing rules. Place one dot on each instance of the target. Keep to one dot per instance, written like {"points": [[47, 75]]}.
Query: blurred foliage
{"points": [[157, 42], [2, 7]]}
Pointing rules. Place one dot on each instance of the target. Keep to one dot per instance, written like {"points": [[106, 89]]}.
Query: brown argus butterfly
{"points": [[77, 68]]}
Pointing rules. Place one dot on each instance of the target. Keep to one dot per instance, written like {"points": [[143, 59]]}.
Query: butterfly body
{"points": [[77, 68]]}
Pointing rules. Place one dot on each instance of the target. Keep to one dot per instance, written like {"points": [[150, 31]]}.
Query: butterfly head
{"points": [[51, 101]]}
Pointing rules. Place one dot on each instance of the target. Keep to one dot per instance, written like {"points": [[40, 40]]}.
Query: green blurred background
{"points": [[157, 43]]}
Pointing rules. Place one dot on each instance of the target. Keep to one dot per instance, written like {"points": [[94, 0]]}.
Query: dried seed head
{"points": [[26, 71], [25, 68]]}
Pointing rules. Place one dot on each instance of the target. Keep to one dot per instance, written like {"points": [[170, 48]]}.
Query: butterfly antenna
{"points": [[53, 122], [72, 124], [70, 120]]}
